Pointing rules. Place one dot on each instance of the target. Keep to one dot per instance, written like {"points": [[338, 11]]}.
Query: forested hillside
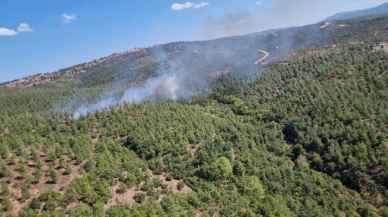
{"points": [[216, 159], [332, 109], [303, 134]]}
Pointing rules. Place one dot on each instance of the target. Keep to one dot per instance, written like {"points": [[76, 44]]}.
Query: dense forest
{"points": [[302, 135]]}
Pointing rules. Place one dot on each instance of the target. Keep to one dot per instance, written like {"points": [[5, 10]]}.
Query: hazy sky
{"points": [[46, 35]]}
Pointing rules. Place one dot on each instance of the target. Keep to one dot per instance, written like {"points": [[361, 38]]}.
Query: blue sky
{"points": [[46, 35]]}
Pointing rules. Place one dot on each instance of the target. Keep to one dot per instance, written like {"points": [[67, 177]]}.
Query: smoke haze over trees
{"points": [[197, 128]]}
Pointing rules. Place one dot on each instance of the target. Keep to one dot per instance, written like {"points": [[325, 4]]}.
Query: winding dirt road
{"points": [[266, 54], [211, 52]]}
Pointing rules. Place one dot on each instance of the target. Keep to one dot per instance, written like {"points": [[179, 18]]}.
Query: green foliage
{"points": [[25, 193], [366, 210], [5, 171], [224, 165], [6, 205], [52, 156], [22, 168], [169, 177], [180, 185], [103, 191], [50, 199], [305, 137], [5, 189], [54, 176], [4, 151], [139, 197], [123, 187], [384, 211], [38, 174], [68, 168], [34, 204], [62, 161], [83, 210], [253, 188]]}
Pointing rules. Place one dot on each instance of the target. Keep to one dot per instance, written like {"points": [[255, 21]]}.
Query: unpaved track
{"points": [[326, 24], [266, 54], [211, 52]]}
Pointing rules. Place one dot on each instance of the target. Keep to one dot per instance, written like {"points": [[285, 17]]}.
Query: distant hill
{"points": [[382, 9], [208, 59]]}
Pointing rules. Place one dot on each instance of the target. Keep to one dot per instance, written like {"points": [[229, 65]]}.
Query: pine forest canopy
{"points": [[303, 134]]}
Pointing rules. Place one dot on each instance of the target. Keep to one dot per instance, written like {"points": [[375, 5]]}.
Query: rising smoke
{"points": [[182, 80], [164, 87]]}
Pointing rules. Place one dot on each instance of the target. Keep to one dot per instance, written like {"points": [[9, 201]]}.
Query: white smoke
{"points": [[164, 87]]}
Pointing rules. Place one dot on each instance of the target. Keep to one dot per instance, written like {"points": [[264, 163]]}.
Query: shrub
{"points": [[7, 205], [169, 177], [139, 197], [180, 185]]}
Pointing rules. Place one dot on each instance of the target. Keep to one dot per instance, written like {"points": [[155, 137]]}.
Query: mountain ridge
{"points": [[73, 72], [381, 9]]}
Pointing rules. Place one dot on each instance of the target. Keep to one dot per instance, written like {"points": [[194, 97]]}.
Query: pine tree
{"points": [[22, 168], [51, 156], [253, 189], [25, 193], [68, 168], [62, 161], [54, 176], [180, 185], [5, 171], [5, 189], [38, 174], [7, 205], [224, 165]]}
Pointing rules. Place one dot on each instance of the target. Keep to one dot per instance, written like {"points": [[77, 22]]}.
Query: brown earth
{"points": [[44, 182], [266, 54], [127, 196], [326, 24]]}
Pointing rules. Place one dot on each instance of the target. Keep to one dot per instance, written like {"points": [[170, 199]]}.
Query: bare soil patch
{"points": [[127, 196], [326, 24], [44, 182], [266, 54]]}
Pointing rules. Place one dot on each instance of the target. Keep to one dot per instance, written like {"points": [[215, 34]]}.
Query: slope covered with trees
{"points": [[303, 136], [231, 164]]}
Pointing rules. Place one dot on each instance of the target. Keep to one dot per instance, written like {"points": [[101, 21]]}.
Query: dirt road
{"points": [[266, 54]]}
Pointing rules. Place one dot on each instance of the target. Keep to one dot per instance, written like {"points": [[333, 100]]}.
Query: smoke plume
{"points": [[181, 79], [165, 87], [192, 64]]}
